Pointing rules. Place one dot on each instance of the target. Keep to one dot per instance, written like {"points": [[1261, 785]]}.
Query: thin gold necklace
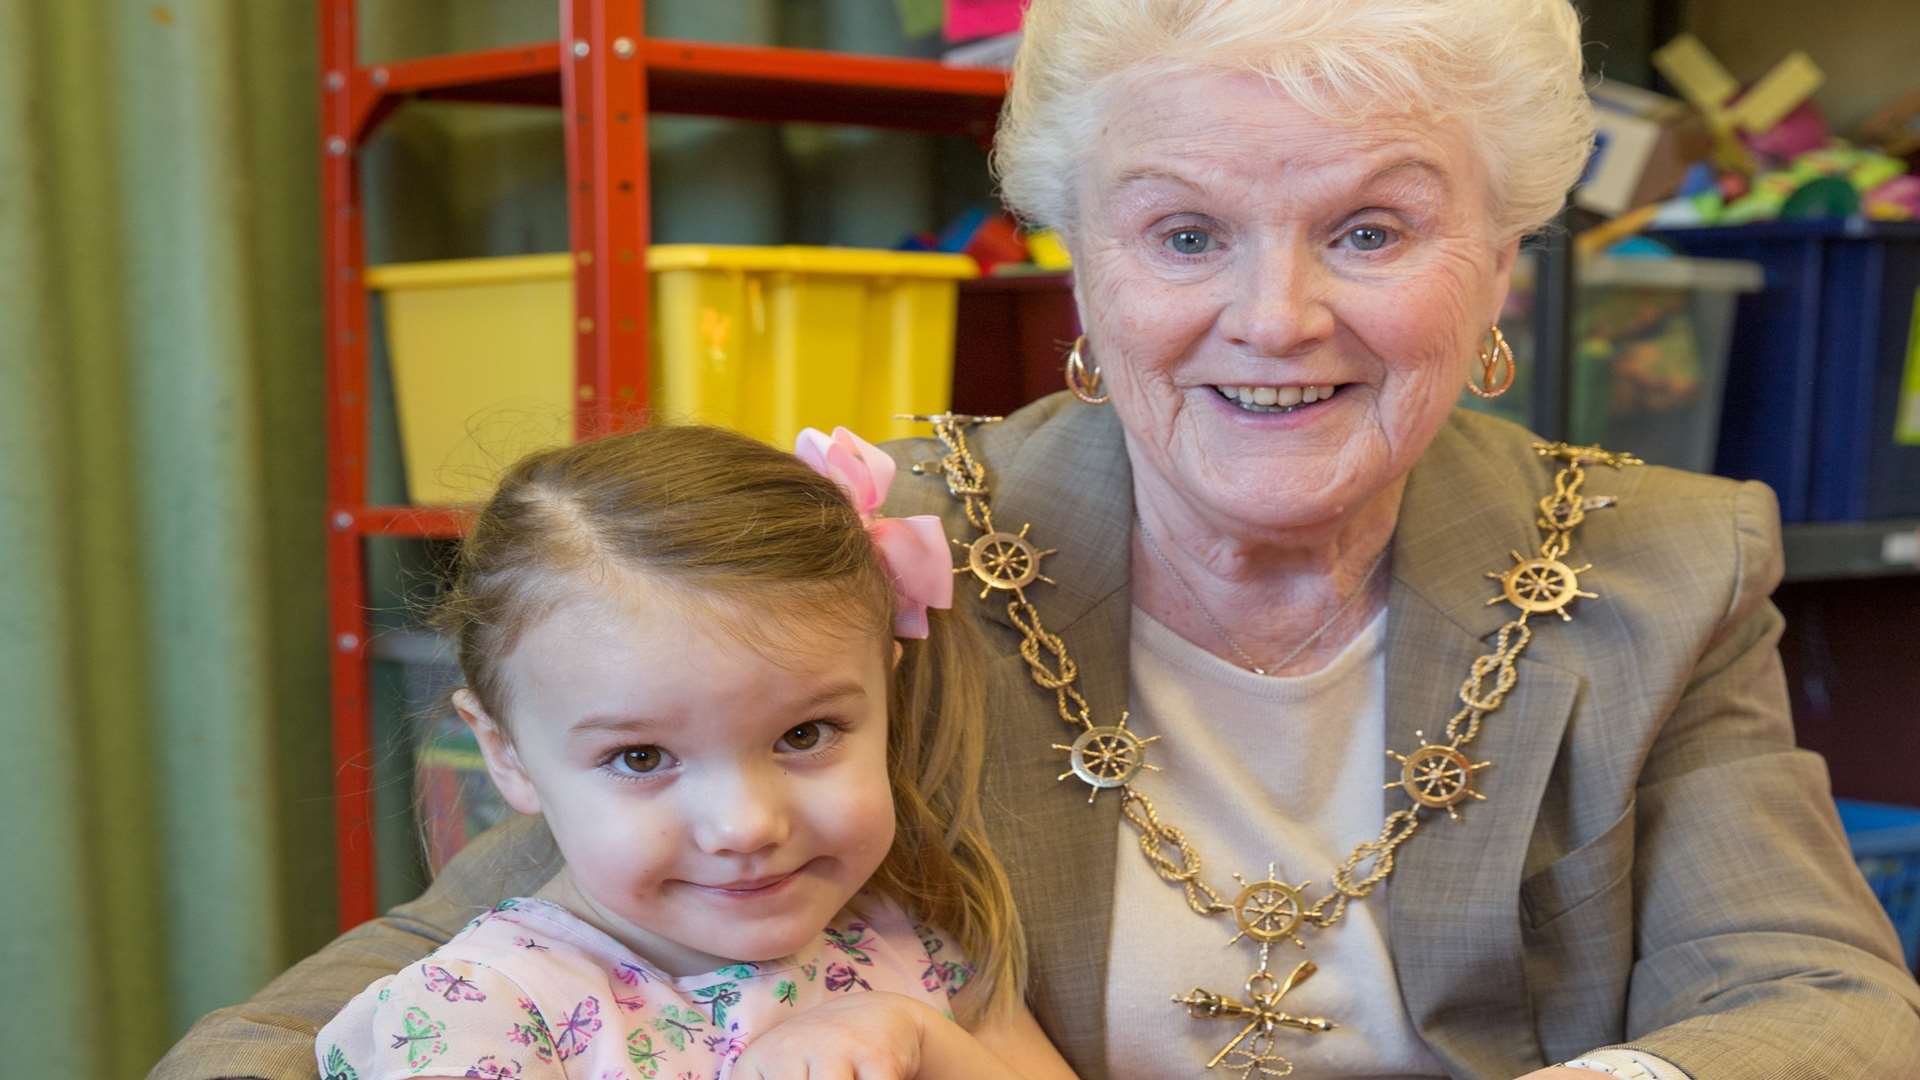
{"points": [[1246, 660], [1435, 776]]}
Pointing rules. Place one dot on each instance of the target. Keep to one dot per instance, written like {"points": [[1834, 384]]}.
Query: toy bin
{"points": [[1824, 403], [772, 340], [482, 358], [762, 340], [1649, 353], [1886, 843]]}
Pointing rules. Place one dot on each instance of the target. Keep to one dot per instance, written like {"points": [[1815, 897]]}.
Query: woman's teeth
{"points": [[1274, 398]]}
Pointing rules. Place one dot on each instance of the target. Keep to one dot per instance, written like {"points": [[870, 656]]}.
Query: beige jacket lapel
{"points": [[1070, 481], [1454, 919]]}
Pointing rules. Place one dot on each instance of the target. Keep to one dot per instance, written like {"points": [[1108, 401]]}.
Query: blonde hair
{"points": [[1508, 70], [723, 519]]}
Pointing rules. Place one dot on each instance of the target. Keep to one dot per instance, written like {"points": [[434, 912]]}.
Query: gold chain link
{"points": [[1166, 847]]}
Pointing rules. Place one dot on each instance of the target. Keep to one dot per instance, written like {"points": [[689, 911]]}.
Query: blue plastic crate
{"points": [[1814, 381], [1886, 844]]}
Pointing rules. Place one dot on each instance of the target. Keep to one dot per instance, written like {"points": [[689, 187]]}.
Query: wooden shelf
{"points": [[705, 79]]}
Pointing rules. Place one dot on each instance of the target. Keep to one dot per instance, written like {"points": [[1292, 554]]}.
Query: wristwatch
{"points": [[1627, 1065]]}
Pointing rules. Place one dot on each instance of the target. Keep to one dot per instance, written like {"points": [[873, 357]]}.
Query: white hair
{"points": [[1508, 70]]}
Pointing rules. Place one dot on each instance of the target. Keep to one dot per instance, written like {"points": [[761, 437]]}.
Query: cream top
{"points": [[1257, 770]]}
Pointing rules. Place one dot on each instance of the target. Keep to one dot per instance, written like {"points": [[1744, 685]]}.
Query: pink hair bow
{"points": [[914, 548]]}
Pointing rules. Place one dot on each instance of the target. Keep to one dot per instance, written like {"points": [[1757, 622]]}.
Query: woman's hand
{"points": [[872, 1036]]}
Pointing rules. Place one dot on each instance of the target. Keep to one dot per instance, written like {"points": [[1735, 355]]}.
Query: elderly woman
{"points": [[1381, 739]]}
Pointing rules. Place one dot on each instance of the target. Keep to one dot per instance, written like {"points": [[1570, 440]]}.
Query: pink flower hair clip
{"points": [[913, 548]]}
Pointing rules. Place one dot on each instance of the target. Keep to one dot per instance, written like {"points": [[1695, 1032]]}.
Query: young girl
{"points": [[680, 648]]}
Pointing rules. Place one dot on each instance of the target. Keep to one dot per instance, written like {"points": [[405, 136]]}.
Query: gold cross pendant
{"points": [[1263, 1014]]}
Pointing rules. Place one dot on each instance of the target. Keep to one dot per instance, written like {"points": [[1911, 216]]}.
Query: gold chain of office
{"points": [[1438, 775]]}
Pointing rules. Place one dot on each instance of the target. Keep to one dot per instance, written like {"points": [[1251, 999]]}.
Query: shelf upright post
{"points": [[603, 87], [346, 365]]}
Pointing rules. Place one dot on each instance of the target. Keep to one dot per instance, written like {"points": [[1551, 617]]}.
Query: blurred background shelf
{"points": [[1828, 551]]}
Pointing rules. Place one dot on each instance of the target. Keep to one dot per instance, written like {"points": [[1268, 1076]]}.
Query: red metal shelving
{"points": [[705, 79], [606, 76]]}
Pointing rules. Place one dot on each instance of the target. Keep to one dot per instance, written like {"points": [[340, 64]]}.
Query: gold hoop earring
{"points": [[1491, 356], [1083, 379]]}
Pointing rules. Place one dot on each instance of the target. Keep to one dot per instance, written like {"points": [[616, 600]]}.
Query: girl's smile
{"points": [[753, 888]]}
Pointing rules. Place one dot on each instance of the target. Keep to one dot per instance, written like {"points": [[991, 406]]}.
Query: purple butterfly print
{"points": [[534, 1035], [629, 1002], [577, 1031], [842, 977], [947, 975], [728, 1046], [854, 941], [450, 986], [632, 974], [492, 1068], [726, 1050], [529, 943], [938, 975]]}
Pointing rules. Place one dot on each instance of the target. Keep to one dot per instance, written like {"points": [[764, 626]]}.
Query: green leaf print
{"points": [[719, 997], [786, 993], [337, 1067], [421, 1036], [640, 1051], [737, 971], [679, 1025]]}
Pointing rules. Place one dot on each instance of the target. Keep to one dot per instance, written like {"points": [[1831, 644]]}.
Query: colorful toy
{"points": [[1047, 252], [1896, 200], [1732, 114]]}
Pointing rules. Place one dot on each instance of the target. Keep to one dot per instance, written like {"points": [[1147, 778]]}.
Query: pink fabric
{"points": [[914, 548], [970, 19], [528, 991]]}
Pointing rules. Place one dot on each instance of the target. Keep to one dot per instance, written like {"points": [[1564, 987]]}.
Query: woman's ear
{"points": [[503, 761], [1503, 259], [899, 651]]}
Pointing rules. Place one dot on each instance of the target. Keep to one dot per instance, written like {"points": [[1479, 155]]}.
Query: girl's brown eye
{"points": [[643, 759], [803, 736]]}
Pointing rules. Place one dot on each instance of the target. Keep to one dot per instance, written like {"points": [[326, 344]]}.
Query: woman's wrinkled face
{"points": [[1284, 306]]}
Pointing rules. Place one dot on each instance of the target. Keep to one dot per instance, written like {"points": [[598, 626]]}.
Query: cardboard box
{"points": [[1644, 145]]}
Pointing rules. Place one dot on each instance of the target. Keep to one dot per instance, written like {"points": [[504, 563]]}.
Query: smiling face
{"points": [[1283, 306], [712, 805]]}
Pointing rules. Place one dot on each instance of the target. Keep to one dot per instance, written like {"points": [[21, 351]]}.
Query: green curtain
{"points": [[163, 778]]}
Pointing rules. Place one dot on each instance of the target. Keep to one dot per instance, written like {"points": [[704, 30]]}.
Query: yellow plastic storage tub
{"points": [[764, 340]]}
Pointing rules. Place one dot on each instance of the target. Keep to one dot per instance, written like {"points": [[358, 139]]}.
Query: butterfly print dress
{"points": [[530, 991]]}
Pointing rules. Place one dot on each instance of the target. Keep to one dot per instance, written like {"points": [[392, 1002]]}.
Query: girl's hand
{"points": [[872, 1036]]}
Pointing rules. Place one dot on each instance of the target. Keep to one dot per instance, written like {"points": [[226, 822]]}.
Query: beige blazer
{"points": [[1656, 865]]}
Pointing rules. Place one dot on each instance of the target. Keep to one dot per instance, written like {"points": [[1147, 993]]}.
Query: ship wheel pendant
{"points": [[1540, 586], [1004, 560], [1269, 910], [1107, 757], [1437, 776]]}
